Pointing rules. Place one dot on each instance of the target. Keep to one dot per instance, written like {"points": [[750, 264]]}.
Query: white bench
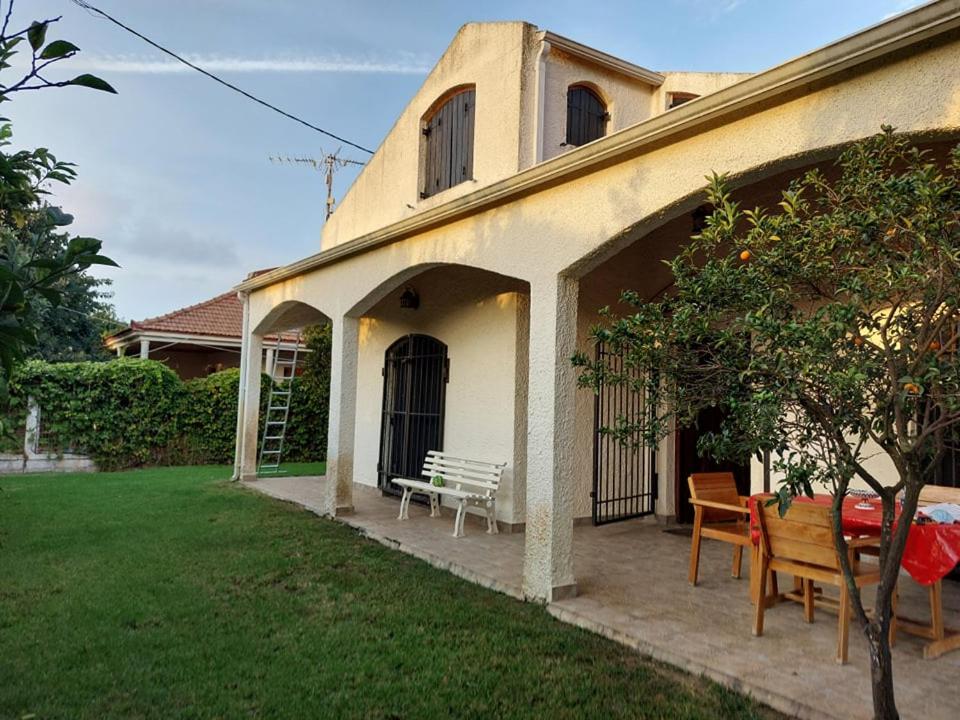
{"points": [[469, 482]]}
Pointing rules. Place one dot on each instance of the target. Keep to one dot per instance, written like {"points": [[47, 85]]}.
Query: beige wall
{"points": [[487, 55], [476, 317], [696, 83], [628, 100]]}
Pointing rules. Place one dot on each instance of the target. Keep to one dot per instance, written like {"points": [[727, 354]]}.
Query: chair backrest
{"points": [[718, 487], [477, 476], [933, 494], [804, 534]]}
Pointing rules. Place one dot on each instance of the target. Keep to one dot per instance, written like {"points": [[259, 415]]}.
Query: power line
{"points": [[87, 6]]}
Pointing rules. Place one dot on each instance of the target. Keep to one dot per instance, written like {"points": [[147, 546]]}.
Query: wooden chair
{"points": [[802, 544], [719, 514], [942, 639]]}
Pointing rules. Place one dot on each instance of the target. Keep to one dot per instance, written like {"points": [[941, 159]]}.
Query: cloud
{"points": [[181, 248], [223, 63]]}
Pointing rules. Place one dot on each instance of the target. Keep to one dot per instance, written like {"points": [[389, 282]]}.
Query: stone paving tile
{"points": [[632, 588]]}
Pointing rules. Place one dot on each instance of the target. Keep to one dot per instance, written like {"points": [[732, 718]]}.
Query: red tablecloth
{"points": [[932, 551]]}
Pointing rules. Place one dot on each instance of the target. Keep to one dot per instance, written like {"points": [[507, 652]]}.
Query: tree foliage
{"points": [[34, 271], [131, 412], [825, 329]]}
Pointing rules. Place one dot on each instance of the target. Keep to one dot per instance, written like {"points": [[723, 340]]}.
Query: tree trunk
{"points": [[881, 673]]}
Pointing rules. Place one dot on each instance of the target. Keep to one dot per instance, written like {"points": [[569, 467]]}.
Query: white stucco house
{"points": [[527, 183]]}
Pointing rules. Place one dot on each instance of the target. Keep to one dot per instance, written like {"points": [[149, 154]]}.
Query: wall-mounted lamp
{"points": [[409, 299]]}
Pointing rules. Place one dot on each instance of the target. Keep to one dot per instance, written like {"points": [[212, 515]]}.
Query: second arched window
{"points": [[586, 116]]}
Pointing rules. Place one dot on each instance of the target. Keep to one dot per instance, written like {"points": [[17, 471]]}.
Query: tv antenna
{"points": [[327, 163]]}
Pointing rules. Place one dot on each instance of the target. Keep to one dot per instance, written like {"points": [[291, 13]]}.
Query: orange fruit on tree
{"points": [[746, 255], [912, 388], [934, 345]]}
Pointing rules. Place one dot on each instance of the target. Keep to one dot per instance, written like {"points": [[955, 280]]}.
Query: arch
{"points": [[769, 177], [447, 141], [408, 274], [587, 114], [289, 315]]}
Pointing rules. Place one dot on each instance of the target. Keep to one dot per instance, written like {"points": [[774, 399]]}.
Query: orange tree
{"points": [[826, 331]]}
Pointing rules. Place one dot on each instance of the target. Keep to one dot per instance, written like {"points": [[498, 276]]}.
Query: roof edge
{"points": [[611, 62]]}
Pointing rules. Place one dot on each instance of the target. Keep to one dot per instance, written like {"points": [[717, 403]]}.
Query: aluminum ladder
{"points": [[278, 407]]}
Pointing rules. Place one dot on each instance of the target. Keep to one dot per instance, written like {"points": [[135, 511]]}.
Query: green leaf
{"points": [[100, 260], [57, 49], [36, 34], [93, 82]]}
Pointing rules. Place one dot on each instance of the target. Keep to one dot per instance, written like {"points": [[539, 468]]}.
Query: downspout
{"points": [[244, 298], [541, 99]]}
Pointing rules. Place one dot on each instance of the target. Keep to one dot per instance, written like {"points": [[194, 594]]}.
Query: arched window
{"points": [[448, 139], [586, 115]]}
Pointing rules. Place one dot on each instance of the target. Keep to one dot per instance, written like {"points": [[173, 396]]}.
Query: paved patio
{"points": [[632, 588]]}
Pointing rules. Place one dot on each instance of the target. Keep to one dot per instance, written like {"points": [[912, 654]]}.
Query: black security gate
{"points": [[415, 377], [624, 475]]}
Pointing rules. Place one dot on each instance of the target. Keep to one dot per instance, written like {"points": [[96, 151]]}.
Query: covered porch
{"points": [[632, 587]]}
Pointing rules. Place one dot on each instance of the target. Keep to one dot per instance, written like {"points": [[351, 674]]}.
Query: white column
{"points": [[548, 553], [268, 361], [342, 416], [120, 350], [144, 349], [248, 401]]}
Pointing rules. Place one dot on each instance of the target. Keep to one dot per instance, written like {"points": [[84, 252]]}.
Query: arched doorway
{"points": [[415, 374]]}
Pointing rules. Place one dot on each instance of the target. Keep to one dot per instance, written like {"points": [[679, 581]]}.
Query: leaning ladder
{"points": [[278, 408]]}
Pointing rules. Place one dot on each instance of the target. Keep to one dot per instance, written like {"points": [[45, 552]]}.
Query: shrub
{"points": [[121, 413], [131, 412]]}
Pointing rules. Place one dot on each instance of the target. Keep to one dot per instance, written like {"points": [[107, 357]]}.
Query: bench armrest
{"points": [[721, 506]]}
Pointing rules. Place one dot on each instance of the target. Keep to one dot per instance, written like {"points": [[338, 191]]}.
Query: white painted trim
{"points": [[541, 99], [211, 341], [723, 106], [598, 57]]}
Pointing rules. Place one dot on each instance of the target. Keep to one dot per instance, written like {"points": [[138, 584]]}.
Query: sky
{"points": [[175, 175]]}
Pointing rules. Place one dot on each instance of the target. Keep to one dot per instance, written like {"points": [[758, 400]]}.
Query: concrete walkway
{"points": [[632, 588]]}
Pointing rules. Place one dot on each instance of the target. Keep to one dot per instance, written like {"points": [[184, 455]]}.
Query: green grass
{"points": [[171, 593]]}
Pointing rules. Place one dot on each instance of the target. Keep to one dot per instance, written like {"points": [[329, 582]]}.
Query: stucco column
{"points": [[249, 407], [548, 553], [342, 416], [144, 349]]}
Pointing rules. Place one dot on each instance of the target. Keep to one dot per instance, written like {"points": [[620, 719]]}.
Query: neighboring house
{"points": [[196, 340], [528, 182]]}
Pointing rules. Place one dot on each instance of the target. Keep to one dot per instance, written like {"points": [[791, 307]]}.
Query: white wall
{"points": [[477, 319]]}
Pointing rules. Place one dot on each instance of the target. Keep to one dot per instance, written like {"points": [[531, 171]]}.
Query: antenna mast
{"points": [[328, 163]]}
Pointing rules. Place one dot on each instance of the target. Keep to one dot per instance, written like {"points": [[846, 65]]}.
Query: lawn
{"points": [[172, 593]]}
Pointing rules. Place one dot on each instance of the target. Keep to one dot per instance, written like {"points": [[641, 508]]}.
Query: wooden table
{"points": [[932, 552]]}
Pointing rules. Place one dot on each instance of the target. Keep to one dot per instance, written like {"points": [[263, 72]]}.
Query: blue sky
{"points": [[175, 175]]}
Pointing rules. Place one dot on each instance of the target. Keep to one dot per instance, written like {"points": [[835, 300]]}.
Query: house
{"points": [[528, 182], [197, 340]]}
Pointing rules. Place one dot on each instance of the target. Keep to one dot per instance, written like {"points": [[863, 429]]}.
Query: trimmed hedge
{"points": [[130, 412]]}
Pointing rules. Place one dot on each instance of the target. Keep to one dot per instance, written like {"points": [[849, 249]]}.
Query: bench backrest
{"points": [[463, 474], [804, 534]]}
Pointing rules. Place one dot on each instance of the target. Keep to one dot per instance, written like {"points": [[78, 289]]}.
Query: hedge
{"points": [[130, 412]]}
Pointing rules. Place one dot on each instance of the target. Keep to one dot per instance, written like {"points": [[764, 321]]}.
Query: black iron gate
{"points": [[624, 475], [415, 378]]}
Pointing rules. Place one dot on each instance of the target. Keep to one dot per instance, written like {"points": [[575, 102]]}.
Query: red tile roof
{"points": [[222, 315]]}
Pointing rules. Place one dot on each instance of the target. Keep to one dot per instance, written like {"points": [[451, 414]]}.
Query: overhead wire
{"points": [[90, 8]]}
